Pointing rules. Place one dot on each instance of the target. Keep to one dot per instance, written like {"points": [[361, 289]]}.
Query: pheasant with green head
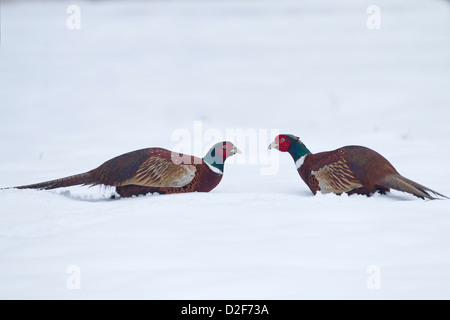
{"points": [[153, 170], [350, 169]]}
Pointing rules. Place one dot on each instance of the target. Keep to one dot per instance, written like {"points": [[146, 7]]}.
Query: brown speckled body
{"points": [[204, 180], [357, 166]]}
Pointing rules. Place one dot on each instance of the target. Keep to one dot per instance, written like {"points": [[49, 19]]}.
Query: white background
{"points": [[136, 72]]}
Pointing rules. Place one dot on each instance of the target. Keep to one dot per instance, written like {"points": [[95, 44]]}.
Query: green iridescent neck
{"points": [[211, 159], [298, 150]]}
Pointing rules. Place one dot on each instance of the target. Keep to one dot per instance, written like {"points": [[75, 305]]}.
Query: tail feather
{"points": [[400, 183], [83, 178]]}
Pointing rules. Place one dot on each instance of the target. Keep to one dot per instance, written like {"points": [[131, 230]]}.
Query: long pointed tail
{"points": [[400, 183], [83, 178]]}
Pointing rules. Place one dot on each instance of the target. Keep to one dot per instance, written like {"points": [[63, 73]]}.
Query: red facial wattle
{"points": [[283, 143], [225, 151]]}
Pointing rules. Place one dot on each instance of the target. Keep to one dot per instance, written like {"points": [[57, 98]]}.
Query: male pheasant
{"points": [[350, 169], [153, 170]]}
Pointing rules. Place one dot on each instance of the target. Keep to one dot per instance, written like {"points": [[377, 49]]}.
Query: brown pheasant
{"points": [[351, 169], [153, 170]]}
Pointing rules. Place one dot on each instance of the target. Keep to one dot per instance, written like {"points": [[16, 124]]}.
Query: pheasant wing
{"points": [[336, 177], [159, 172]]}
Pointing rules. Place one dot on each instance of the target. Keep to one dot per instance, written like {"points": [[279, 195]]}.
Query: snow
{"points": [[186, 74]]}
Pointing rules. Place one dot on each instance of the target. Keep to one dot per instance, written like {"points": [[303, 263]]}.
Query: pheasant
{"points": [[350, 169], [153, 170]]}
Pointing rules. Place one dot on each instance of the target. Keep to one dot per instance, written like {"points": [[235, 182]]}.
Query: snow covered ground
{"points": [[180, 75]]}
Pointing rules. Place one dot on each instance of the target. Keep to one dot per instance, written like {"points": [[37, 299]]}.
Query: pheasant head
{"points": [[290, 143], [217, 155]]}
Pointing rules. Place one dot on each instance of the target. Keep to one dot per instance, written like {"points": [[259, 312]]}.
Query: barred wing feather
{"points": [[159, 172], [336, 177]]}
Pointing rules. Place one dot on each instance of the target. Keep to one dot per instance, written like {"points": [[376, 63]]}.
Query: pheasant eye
{"points": [[282, 140], [224, 146]]}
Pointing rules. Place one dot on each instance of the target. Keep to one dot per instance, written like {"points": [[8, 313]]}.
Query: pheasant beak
{"points": [[236, 150], [273, 145]]}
